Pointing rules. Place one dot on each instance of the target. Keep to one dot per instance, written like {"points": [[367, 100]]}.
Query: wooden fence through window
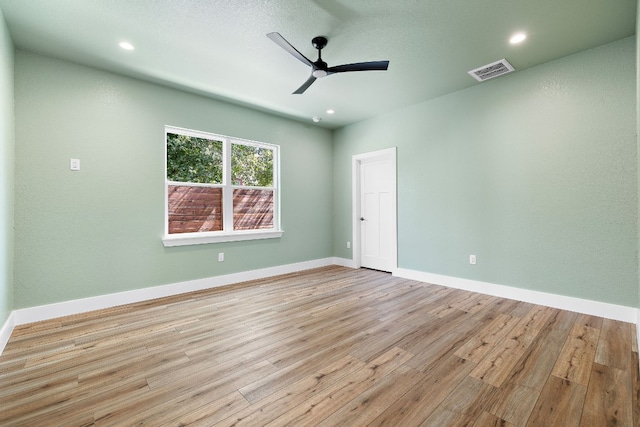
{"points": [[198, 209]]}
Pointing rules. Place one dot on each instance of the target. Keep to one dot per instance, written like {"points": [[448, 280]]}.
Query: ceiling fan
{"points": [[320, 68]]}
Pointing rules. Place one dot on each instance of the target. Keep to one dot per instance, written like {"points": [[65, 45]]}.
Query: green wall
{"points": [[638, 143], [6, 171], [98, 231], [533, 172]]}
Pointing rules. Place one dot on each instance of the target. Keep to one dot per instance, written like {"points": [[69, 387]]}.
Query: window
{"points": [[219, 188]]}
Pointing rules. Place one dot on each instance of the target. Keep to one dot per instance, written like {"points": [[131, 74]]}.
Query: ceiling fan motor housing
{"points": [[319, 42]]}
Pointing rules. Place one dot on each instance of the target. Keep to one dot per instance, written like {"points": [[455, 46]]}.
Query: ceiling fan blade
{"points": [[305, 85], [280, 41], [359, 66]]}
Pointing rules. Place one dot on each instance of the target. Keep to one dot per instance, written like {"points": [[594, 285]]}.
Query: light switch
{"points": [[74, 164]]}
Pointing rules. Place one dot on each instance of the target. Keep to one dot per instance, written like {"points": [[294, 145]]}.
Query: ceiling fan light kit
{"points": [[319, 68]]}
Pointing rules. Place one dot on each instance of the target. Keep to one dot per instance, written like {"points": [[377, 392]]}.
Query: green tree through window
{"points": [[191, 159], [251, 166]]}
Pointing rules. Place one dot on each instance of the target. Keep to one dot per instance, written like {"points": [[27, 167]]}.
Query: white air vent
{"points": [[492, 70]]}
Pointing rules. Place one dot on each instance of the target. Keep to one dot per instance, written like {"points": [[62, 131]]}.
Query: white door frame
{"points": [[356, 161]]}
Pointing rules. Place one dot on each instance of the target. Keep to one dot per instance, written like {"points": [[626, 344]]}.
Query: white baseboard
{"points": [[66, 308], [5, 331], [638, 327], [595, 308], [344, 262]]}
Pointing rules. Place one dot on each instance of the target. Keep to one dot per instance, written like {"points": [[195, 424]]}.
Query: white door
{"points": [[377, 213]]}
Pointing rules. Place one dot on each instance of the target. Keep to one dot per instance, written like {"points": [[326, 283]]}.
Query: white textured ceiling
{"points": [[220, 49]]}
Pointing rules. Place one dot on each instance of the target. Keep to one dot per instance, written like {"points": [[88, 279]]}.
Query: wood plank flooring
{"points": [[325, 347]]}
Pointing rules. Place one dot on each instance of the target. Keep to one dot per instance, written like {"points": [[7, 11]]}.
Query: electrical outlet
{"points": [[472, 259], [221, 257], [74, 164], [348, 245]]}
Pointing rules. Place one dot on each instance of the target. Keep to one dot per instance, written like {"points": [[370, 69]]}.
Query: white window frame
{"points": [[227, 234]]}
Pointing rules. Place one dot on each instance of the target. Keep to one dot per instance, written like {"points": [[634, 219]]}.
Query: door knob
{"points": [[361, 218]]}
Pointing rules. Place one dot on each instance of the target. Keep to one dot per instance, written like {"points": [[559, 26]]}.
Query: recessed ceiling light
{"points": [[330, 111], [126, 45], [316, 119], [517, 38]]}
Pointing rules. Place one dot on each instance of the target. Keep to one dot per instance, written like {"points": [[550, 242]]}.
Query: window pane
{"points": [[194, 209], [191, 159], [251, 166], [252, 209]]}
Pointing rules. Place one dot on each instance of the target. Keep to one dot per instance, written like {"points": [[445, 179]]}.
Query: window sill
{"points": [[200, 239]]}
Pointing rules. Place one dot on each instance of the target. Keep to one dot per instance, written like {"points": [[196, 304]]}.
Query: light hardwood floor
{"points": [[325, 347]]}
